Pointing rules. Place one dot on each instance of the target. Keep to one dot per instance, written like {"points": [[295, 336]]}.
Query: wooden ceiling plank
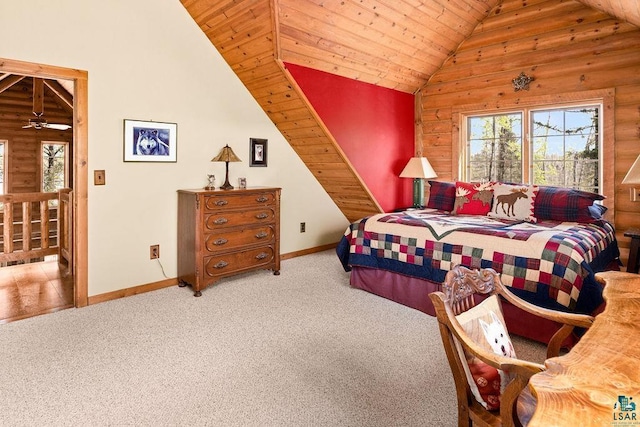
{"points": [[357, 38]]}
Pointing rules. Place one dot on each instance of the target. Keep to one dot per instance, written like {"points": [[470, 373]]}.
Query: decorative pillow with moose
{"points": [[473, 198], [514, 202], [485, 326]]}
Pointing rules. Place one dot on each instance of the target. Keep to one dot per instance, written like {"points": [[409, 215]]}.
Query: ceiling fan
{"points": [[38, 110]]}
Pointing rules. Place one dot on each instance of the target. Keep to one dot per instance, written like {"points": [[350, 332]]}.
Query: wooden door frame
{"points": [[80, 162]]}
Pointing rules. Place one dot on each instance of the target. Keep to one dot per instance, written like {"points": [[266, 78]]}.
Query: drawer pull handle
{"points": [[262, 199], [221, 221], [221, 264], [262, 215], [261, 235], [221, 202], [220, 242], [261, 255]]}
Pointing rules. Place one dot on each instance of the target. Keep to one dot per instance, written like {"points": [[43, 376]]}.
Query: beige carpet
{"points": [[299, 349]]}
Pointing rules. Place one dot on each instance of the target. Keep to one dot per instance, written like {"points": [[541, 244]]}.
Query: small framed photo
{"points": [[258, 152], [242, 182], [146, 141]]}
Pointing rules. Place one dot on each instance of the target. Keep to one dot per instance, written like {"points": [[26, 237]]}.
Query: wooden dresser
{"points": [[225, 232]]}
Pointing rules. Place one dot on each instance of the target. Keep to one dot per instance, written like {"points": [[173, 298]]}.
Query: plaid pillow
{"points": [[442, 195], [564, 204]]}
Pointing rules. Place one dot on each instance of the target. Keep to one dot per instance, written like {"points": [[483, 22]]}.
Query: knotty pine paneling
{"points": [[568, 48], [244, 34], [397, 44], [628, 10]]}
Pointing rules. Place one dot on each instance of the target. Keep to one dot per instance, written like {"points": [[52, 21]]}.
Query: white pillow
{"points": [[514, 202]]}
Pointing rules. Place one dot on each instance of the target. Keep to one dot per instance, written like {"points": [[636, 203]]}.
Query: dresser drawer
{"points": [[215, 202], [229, 263], [217, 220], [225, 241]]}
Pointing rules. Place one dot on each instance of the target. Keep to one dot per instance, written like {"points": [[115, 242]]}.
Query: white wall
{"points": [[148, 60]]}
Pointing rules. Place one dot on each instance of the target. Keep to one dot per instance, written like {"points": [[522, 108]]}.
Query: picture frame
{"points": [[149, 141], [258, 152], [242, 182]]}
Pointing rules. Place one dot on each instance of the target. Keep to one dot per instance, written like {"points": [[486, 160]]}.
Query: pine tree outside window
{"points": [[54, 166]]}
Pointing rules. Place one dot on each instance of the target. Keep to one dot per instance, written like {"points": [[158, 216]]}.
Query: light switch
{"points": [[99, 177]]}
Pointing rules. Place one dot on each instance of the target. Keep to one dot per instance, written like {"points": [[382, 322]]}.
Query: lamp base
{"points": [[226, 185], [418, 193]]}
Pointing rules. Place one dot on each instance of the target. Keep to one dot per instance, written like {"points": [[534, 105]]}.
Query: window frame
{"points": [[527, 157], [41, 165], [5, 163], [605, 97]]}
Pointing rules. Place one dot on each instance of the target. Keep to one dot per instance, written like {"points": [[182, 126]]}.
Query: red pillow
{"points": [[473, 199]]}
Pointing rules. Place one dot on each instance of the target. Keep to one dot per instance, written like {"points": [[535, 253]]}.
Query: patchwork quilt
{"points": [[550, 260]]}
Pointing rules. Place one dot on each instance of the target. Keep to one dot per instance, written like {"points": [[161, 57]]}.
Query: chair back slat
{"points": [[461, 284]]}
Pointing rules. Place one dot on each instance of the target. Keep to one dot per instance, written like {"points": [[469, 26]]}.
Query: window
{"points": [[54, 166], [561, 147], [3, 145], [566, 147]]}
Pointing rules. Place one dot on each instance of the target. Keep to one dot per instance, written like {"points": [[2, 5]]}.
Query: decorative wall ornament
{"points": [[522, 82]]}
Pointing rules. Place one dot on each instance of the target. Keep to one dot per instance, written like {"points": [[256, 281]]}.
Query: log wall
{"points": [[570, 50], [23, 150]]}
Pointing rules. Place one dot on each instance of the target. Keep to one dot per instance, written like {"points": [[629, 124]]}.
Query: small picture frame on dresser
{"points": [[242, 182]]}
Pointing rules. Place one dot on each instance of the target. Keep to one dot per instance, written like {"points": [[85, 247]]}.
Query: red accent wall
{"points": [[373, 126]]}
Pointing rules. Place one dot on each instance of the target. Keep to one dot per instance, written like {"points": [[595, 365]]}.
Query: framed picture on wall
{"points": [[147, 141], [258, 152]]}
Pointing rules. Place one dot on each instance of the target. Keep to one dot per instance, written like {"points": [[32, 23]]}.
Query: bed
{"points": [[548, 253]]}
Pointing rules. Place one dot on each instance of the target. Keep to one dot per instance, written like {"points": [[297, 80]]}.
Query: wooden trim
{"points": [[80, 160], [149, 287], [127, 292], [309, 251]]}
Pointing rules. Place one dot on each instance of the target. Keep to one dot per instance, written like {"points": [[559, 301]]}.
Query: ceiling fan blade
{"points": [[57, 126]]}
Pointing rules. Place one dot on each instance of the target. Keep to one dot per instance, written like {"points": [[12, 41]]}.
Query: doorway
{"points": [[47, 274]]}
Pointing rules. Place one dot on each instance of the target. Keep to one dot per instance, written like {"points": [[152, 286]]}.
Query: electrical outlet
{"points": [[303, 227], [154, 251]]}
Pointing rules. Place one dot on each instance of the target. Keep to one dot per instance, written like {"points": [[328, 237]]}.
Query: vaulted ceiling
{"points": [[396, 44]]}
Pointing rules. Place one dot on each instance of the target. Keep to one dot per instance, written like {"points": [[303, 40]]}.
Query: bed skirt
{"points": [[414, 292]]}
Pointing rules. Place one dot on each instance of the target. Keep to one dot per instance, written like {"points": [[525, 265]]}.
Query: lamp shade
{"points": [[633, 176], [226, 155], [418, 167]]}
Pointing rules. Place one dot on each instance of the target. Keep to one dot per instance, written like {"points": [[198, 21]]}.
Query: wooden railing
{"points": [[32, 227]]}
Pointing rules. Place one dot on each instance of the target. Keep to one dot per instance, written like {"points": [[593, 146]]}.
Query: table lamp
{"points": [[418, 168], [633, 177], [226, 155]]}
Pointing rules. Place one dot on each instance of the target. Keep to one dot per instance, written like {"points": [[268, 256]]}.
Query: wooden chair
{"points": [[460, 293]]}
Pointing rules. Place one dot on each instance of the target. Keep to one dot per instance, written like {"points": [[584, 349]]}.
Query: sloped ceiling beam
{"points": [[9, 81]]}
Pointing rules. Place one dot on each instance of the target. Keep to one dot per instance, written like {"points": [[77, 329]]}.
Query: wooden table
{"points": [[586, 386]]}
